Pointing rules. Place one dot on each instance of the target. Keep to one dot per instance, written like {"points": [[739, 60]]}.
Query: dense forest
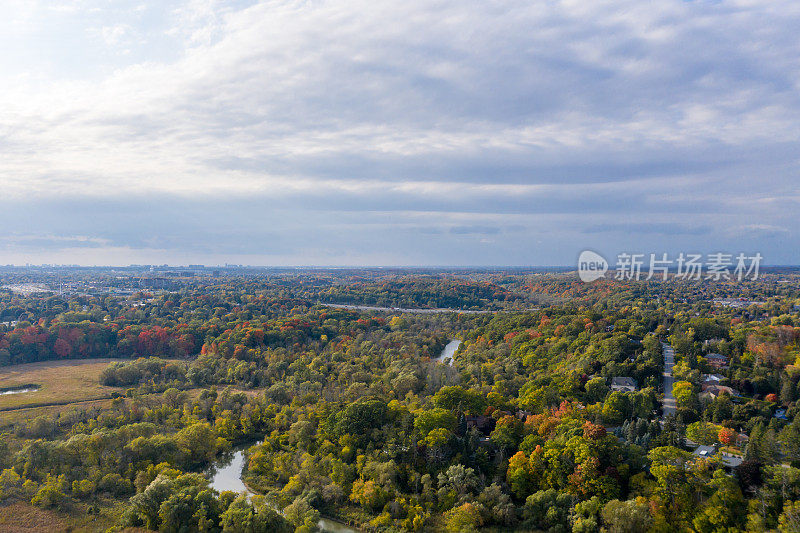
{"points": [[549, 417]]}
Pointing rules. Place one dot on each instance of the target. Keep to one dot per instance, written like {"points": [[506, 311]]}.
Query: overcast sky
{"points": [[397, 133]]}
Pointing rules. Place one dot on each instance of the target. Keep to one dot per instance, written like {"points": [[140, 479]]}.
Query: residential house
{"points": [[484, 424], [729, 461], [713, 391], [523, 414], [705, 451], [741, 440], [717, 389], [717, 360], [623, 384]]}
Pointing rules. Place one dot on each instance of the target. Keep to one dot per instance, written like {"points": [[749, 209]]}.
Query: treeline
{"points": [[427, 292], [31, 343]]}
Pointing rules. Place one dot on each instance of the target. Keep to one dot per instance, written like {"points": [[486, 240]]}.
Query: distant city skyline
{"points": [[366, 133]]}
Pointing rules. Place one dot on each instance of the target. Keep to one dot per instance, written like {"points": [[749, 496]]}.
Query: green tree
{"points": [[198, 442], [10, 483], [459, 479], [596, 389], [703, 432], [519, 475], [361, 417], [507, 433], [464, 518], [616, 408], [457, 398], [51, 493], [548, 510], [585, 516], [683, 392], [115, 484], [626, 516], [726, 510], [789, 521], [427, 420], [301, 513], [241, 517], [673, 471]]}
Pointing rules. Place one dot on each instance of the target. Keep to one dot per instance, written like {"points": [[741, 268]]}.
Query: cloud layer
{"points": [[362, 132]]}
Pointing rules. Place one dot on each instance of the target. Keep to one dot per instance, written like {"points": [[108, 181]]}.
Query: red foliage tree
{"points": [[593, 431], [727, 436], [772, 397], [62, 348]]}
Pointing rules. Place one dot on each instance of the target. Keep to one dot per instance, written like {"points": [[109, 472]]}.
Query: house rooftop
{"points": [[623, 381], [716, 390], [705, 451], [731, 461]]}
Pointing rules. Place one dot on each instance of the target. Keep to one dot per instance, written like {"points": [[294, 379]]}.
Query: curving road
{"points": [[409, 310], [668, 404]]}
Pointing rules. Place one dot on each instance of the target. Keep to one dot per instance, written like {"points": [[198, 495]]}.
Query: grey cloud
{"points": [[650, 228], [39, 241], [254, 232], [485, 166], [664, 115], [480, 230]]}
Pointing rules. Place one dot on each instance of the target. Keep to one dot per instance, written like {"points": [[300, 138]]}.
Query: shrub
{"points": [[115, 484], [51, 493], [82, 488]]}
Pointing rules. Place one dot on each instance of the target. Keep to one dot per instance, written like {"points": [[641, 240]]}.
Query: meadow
{"points": [[22, 517], [59, 382]]}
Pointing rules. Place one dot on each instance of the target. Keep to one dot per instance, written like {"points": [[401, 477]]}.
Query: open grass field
{"points": [[60, 382], [22, 517], [19, 517], [24, 415]]}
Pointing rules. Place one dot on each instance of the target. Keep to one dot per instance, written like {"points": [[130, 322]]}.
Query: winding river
{"points": [[448, 352], [226, 474]]}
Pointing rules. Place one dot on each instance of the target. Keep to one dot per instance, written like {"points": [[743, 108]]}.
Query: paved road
{"points": [[407, 310], [669, 405]]}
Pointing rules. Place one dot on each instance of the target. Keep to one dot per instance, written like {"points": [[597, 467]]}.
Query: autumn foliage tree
{"points": [[727, 436]]}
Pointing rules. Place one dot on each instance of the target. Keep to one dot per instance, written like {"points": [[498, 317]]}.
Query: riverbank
{"points": [[228, 476], [332, 524], [448, 352]]}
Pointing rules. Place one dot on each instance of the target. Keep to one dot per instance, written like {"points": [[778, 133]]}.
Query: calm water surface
{"points": [[19, 391], [449, 351], [226, 474]]}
